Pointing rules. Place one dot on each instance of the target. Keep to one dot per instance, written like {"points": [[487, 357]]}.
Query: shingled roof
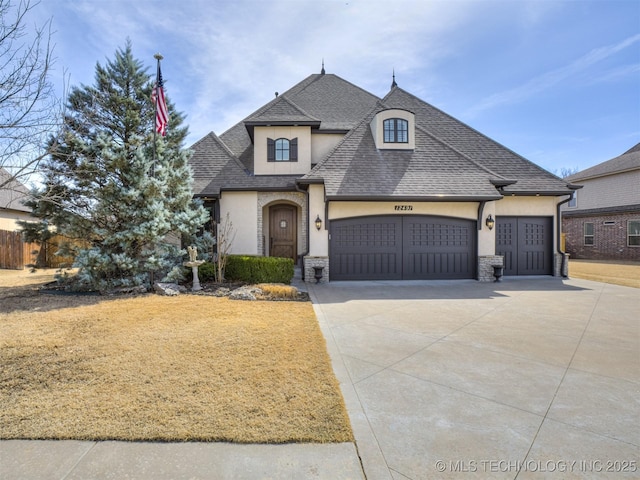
{"points": [[357, 170], [13, 193], [529, 177], [451, 161], [629, 160]]}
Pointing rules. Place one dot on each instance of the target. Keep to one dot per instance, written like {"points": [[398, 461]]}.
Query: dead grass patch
{"points": [[618, 273], [187, 368], [279, 291]]}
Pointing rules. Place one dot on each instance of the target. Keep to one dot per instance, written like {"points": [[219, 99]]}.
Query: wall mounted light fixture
{"points": [[490, 222], [318, 222]]}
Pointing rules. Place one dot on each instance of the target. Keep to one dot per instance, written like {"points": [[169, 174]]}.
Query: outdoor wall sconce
{"points": [[318, 222], [490, 222]]}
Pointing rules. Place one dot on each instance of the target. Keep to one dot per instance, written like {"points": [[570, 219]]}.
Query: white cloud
{"points": [[552, 78]]}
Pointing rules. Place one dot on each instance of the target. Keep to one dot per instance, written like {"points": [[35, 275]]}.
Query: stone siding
{"points": [[485, 267], [300, 199], [309, 271]]}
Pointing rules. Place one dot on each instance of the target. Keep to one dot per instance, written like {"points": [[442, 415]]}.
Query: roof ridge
{"points": [[320, 76], [276, 101], [271, 102], [475, 131], [227, 150], [300, 109]]}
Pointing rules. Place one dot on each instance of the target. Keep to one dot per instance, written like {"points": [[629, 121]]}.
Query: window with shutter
{"points": [[271, 150], [282, 150]]}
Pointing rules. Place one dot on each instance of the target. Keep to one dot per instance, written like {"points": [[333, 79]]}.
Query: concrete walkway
{"points": [[527, 378]]}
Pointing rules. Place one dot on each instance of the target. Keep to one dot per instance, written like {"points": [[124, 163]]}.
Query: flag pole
{"points": [[158, 57]]}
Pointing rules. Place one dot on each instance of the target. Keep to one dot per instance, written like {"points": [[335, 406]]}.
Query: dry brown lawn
{"points": [[186, 368], [619, 273]]}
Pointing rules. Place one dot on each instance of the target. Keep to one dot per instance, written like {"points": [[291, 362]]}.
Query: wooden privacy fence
{"points": [[16, 254]]}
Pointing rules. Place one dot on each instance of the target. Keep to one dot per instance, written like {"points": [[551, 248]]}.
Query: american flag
{"points": [[157, 96]]}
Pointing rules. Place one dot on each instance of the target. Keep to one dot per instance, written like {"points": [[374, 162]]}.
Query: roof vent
{"points": [[276, 94]]}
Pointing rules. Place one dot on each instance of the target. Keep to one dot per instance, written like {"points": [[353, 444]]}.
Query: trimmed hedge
{"points": [[245, 268], [206, 272]]}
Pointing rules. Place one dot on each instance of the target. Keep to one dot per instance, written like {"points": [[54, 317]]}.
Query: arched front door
{"points": [[283, 231]]}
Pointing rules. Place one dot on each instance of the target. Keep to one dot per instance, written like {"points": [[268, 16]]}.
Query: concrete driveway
{"points": [[527, 378]]}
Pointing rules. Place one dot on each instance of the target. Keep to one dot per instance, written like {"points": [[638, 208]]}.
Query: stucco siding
{"points": [[323, 144], [356, 209], [9, 219], [318, 239], [243, 213], [528, 206], [300, 167]]}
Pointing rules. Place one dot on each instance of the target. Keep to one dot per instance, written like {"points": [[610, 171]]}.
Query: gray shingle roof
{"points": [[486, 152], [280, 110], [13, 193], [629, 160], [356, 169], [451, 160], [215, 168]]}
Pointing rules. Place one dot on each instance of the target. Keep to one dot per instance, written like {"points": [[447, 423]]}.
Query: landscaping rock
{"points": [[245, 293], [169, 289], [135, 290]]}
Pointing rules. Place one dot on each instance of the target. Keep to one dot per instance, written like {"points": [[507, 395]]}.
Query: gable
{"points": [[12, 193]]}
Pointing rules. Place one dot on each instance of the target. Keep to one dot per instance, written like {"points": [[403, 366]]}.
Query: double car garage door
{"points": [[416, 247], [408, 247]]}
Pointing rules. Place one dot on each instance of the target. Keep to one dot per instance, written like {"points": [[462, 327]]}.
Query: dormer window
{"points": [[396, 130], [282, 150]]}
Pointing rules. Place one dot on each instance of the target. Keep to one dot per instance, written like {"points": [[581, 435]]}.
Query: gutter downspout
{"points": [[563, 264], [306, 192]]}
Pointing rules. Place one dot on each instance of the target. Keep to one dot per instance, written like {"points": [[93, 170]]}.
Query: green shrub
{"points": [[245, 268], [206, 272]]}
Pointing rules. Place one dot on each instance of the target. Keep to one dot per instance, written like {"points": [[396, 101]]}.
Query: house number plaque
{"points": [[403, 208]]}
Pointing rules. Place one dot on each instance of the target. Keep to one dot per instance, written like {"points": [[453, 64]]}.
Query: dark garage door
{"points": [[526, 244], [406, 247]]}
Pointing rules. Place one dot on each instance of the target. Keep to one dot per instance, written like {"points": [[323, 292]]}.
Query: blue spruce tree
{"points": [[118, 200]]}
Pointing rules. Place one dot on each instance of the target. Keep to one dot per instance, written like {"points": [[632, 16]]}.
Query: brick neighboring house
{"points": [[602, 222]]}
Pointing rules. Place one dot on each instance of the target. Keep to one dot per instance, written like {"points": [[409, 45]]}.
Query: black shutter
{"points": [[271, 150], [293, 150]]}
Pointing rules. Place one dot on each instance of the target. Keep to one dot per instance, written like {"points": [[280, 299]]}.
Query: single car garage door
{"points": [[526, 244], [408, 247]]}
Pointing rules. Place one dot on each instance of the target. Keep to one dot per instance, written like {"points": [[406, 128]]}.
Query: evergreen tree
{"points": [[104, 188]]}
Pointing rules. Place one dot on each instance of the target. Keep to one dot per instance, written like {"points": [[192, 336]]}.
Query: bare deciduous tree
{"points": [[225, 238], [29, 109]]}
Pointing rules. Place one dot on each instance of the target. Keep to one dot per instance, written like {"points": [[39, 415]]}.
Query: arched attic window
{"points": [[282, 150], [396, 130]]}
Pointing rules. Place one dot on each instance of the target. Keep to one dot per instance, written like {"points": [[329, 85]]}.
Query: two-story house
{"points": [[378, 188], [602, 221]]}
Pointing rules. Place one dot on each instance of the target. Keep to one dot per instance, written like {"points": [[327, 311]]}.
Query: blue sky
{"points": [[558, 82]]}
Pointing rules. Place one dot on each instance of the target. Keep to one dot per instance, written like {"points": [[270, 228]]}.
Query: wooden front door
{"points": [[283, 231]]}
